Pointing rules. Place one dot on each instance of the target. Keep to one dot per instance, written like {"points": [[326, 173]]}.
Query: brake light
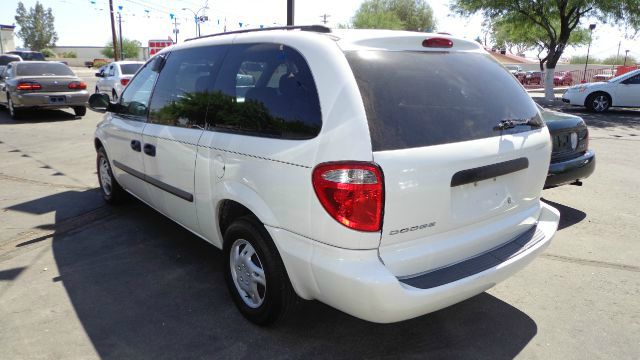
{"points": [[437, 43], [124, 82], [352, 193], [28, 85], [77, 85]]}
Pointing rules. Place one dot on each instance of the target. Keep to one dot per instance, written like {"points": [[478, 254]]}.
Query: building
{"points": [[6, 38]]}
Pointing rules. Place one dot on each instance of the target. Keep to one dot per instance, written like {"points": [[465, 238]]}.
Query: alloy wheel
{"points": [[600, 103]]}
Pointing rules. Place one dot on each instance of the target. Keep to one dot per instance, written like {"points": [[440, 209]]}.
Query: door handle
{"points": [[135, 145], [149, 149]]}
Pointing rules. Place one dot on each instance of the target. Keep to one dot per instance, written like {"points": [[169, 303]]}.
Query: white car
{"points": [[623, 91], [115, 76], [366, 169]]}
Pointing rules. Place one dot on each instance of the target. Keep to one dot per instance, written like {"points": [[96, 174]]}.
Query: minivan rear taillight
{"points": [[352, 193], [124, 82]]}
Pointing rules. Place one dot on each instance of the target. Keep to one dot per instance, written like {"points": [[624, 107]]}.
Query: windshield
{"points": [[619, 77], [415, 99], [42, 69], [129, 69]]}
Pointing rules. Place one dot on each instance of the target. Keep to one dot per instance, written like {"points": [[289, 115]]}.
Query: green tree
{"points": [[413, 15], [554, 21], [130, 49], [582, 59], [618, 60], [36, 27]]}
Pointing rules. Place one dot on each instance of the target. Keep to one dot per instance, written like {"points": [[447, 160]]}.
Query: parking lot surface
{"points": [[81, 280]]}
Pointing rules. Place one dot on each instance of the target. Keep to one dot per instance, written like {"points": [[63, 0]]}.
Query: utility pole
{"points": [[324, 18], [290, 12], [175, 28], [113, 32], [617, 56], [120, 31]]}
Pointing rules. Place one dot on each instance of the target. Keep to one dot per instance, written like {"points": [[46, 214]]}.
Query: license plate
{"points": [[57, 99]]}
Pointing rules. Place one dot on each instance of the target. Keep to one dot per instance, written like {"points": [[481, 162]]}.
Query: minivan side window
{"points": [[265, 90], [185, 87], [134, 101]]}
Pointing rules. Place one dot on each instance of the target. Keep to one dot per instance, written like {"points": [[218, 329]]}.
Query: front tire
{"points": [[112, 192], [80, 110], [255, 275], [598, 102]]}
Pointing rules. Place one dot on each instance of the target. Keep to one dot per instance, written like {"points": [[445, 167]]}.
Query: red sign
{"points": [[156, 45]]}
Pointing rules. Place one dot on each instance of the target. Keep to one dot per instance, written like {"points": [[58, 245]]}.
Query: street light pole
{"points": [[196, 17], [584, 75], [626, 52]]}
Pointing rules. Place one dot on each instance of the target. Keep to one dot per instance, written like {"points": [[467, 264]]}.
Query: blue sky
{"points": [[86, 22]]}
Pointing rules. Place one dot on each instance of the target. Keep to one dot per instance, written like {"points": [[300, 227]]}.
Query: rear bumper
{"points": [[358, 283], [569, 171], [43, 99]]}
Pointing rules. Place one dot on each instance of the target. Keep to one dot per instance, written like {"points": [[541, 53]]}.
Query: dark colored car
{"points": [[533, 77], [562, 78], [571, 158], [41, 84], [7, 58], [28, 55]]}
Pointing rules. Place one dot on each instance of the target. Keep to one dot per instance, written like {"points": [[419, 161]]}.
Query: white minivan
{"points": [[388, 174]]}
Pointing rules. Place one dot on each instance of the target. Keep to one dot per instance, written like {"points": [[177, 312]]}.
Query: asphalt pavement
{"points": [[82, 280]]}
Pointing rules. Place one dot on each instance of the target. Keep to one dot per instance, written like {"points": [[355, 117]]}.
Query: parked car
{"points": [[352, 171], [28, 55], [41, 85], [562, 78], [605, 75], [115, 76], [516, 70], [7, 58], [571, 159], [533, 77], [623, 90]]}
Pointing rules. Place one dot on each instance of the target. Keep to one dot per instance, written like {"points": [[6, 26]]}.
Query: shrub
{"points": [[98, 64], [69, 55], [48, 53]]}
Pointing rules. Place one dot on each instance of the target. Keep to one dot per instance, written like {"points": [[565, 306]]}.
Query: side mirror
{"points": [[98, 74], [99, 103]]}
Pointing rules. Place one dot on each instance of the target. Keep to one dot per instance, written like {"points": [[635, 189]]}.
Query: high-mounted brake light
{"points": [[437, 43], [124, 82], [352, 193], [77, 85], [28, 85]]}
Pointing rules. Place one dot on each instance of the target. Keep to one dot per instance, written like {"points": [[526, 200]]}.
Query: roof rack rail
{"points": [[313, 28]]}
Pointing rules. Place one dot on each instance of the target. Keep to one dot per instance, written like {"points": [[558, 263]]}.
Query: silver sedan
{"points": [[41, 84]]}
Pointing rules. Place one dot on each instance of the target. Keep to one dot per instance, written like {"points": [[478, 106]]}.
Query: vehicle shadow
{"points": [[611, 118], [143, 287], [37, 116], [568, 216]]}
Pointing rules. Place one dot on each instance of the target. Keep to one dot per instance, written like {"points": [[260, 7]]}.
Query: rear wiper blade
{"points": [[510, 124]]}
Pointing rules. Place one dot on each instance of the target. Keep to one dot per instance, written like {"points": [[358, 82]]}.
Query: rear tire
{"points": [[80, 110], [14, 113], [255, 275], [598, 102], [112, 192]]}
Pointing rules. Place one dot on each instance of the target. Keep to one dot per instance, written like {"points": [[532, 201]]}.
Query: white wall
{"points": [[8, 43]]}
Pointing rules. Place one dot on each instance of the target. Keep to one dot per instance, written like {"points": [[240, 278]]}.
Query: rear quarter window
{"points": [[416, 99]]}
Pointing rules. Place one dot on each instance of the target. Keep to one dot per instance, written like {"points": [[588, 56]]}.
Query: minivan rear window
{"points": [[415, 99], [129, 69]]}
